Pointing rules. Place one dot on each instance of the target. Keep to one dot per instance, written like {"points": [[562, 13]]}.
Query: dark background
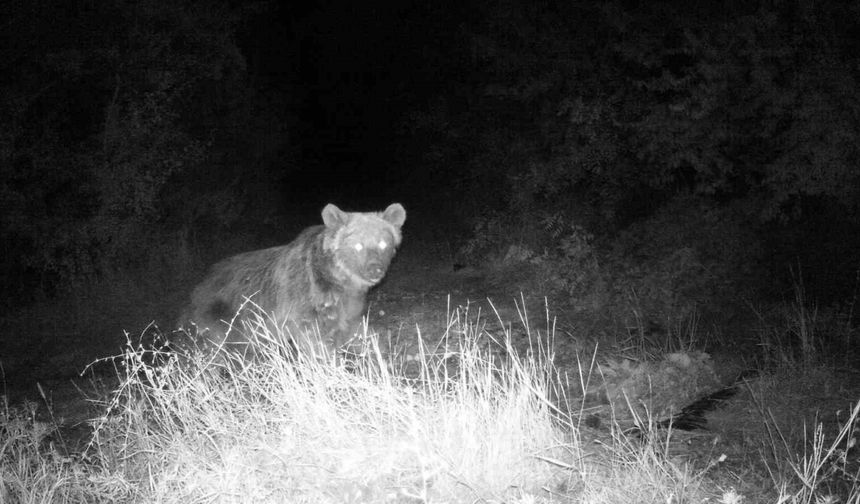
{"points": [[707, 148]]}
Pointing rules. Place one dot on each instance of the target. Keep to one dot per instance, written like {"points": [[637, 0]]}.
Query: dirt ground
{"points": [[421, 292]]}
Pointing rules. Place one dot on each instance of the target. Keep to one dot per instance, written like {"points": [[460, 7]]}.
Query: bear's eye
{"points": [[382, 245], [358, 247]]}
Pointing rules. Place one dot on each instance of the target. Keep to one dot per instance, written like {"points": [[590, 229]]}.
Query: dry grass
{"points": [[311, 429], [467, 419]]}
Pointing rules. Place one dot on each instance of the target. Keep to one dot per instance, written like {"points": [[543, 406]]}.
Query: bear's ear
{"points": [[334, 217], [395, 214]]}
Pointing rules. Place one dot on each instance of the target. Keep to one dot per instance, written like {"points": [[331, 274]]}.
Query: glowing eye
{"points": [[382, 245], [358, 247]]}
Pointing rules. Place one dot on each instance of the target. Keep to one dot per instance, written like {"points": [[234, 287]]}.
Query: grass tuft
{"points": [[478, 415]]}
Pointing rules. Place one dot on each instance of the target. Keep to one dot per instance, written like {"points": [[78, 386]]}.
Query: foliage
{"points": [[33, 470], [693, 258], [750, 105], [690, 256], [801, 333], [627, 106], [492, 236], [574, 269], [607, 114], [104, 126]]}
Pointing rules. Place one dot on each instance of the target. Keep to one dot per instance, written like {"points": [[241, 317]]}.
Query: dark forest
{"points": [[656, 178]]}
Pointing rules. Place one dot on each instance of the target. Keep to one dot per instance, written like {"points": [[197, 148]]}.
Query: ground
{"points": [[423, 290]]}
